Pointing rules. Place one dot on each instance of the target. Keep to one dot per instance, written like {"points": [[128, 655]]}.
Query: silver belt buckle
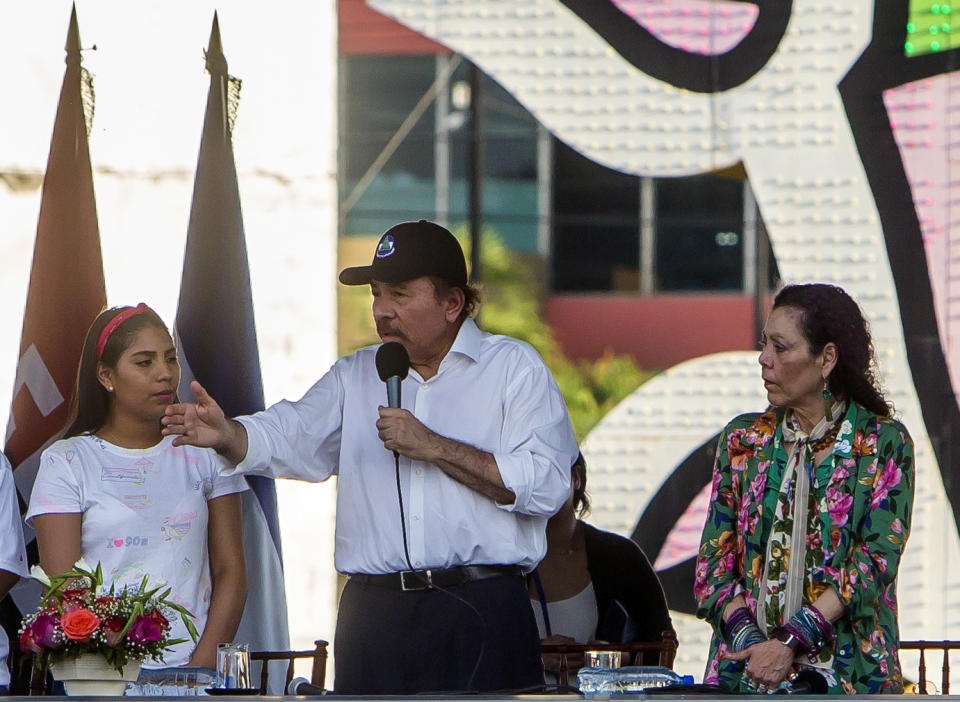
{"points": [[411, 580]]}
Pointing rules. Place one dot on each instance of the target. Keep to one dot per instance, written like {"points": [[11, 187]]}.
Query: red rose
{"points": [[79, 624], [157, 616], [112, 628], [74, 599]]}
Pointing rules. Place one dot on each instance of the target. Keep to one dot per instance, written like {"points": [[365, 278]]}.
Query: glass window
{"points": [[699, 233], [596, 243], [377, 95], [510, 165]]}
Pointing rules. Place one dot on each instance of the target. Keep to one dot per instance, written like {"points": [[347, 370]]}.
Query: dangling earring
{"points": [[827, 395]]}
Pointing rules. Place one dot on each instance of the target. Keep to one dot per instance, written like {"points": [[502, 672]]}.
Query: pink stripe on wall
{"points": [[925, 119], [707, 27]]}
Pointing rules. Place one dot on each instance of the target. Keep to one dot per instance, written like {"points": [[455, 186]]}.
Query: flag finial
{"points": [[72, 46], [216, 61]]}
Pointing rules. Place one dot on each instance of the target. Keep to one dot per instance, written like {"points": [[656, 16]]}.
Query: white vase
{"points": [[90, 674]]}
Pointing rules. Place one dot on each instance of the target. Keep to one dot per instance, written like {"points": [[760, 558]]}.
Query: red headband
{"points": [[118, 319]]}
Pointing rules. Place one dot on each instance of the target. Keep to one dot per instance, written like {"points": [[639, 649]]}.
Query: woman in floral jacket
{"points": [[810, 512]]}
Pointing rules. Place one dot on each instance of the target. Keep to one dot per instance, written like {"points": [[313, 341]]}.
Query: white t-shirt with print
{"points": [[13, 557], [144, 513]]}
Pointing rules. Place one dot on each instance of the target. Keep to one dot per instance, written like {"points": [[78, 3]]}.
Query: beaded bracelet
{"points": [[812, 630], [827, 632], [742, 631]]}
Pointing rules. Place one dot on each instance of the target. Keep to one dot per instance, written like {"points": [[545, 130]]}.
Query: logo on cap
{"points": [[385, 247]]}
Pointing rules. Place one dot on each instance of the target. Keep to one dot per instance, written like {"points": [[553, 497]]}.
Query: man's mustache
{"points": [[384, 329]]}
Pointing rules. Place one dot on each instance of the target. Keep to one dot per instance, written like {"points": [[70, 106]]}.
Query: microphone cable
{"points": [[469, 605]]}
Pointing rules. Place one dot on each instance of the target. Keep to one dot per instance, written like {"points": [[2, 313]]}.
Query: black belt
{"points": [[407, 580]]}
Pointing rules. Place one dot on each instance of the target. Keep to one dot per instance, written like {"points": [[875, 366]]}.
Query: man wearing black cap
{"points": [[483, 446]]}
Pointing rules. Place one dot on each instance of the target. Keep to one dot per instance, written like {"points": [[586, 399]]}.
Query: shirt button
{"points": [[417, 563], [416, 518], [419, 472]]}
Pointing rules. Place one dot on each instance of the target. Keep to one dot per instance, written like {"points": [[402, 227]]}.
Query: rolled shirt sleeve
{"points": [[542, 445]]}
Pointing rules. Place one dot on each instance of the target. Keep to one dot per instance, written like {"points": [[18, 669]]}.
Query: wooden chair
{"points": [[923, 646], [318, 673], [666, 648]]}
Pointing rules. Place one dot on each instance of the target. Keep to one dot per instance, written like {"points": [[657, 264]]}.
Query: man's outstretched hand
{"points": [[203, 424]]}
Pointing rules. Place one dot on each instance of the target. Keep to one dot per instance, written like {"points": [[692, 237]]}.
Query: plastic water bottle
{"points": [[630, 679], [597, 681]]}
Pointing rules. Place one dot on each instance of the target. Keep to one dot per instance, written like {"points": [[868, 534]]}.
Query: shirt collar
{"points": [[468, 341]]}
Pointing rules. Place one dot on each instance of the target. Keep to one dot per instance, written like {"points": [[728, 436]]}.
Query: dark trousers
{"points": [[390, 642]]}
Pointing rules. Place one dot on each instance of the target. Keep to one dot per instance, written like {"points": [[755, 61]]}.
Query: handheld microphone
{"points": [[302, 686], [807, 682], [393, 363]]}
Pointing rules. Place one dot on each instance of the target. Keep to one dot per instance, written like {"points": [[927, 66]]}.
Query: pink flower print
{"points": [[737, 451], [743, 514], [715, 487], [839, 475], [889, 597], [834, 539], [814, 541], [724, 565], [888, 478], [757, 487], [762, 431], [702, 588], [838, 505], [864, 444], [712, 674], [881, 562]]}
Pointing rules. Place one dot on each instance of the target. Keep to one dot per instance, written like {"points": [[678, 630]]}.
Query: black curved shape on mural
{"points": [[883, 65], [661, 514], [701, 74]]}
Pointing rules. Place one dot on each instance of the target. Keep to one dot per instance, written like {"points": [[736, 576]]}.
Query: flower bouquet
{"points": [[77, 615]]}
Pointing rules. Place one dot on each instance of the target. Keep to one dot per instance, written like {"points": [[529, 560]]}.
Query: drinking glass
{"points": [[601, 659], [233, 666]]}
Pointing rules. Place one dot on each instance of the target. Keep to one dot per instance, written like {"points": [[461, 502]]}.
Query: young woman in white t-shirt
{"points": [[117, 492]]}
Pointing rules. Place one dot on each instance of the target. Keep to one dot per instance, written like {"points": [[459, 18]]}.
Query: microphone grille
{"points": [[392, 360]]}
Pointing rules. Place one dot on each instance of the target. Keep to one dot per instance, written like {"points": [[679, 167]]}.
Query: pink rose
{"points": [[79, 624], [40, 635], [145, 630]]}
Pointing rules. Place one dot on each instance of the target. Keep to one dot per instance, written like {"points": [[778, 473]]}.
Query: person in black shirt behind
{"points": [[594, 585]]}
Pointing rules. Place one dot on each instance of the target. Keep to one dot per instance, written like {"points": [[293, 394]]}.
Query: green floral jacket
{"points": [[864, 496]]}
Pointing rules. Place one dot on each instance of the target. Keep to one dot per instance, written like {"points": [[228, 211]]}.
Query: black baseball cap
{"points": [[409, 250]]}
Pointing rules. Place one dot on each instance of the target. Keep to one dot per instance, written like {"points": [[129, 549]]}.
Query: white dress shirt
{"points": [[491, 392]]}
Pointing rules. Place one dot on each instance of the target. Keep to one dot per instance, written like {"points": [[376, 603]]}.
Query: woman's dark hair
{"points": [[581, 502], [829, 314], [90, 399], [471, 296]]}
